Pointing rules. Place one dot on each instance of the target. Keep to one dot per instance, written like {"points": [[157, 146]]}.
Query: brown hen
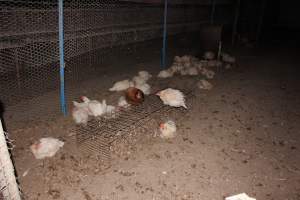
{"points": [[134, 96]]}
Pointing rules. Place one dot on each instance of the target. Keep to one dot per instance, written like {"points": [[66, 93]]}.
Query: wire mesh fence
{"points": [[96, 31]]}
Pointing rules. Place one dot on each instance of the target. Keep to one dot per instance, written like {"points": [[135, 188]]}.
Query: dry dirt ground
{"points": [[242, 136]]}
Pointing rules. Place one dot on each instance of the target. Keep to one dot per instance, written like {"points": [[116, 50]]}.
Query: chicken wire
{"points": [[96, 32], [102, 136]]}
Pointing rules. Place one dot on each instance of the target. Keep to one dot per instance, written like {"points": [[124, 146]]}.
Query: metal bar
{"points": [[61, 57], [235, 23], [163, 61]]}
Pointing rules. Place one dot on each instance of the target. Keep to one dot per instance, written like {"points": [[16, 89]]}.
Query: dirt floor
{"points": [[242, 136]]}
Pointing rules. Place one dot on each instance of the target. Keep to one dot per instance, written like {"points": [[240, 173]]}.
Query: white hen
{"points": [[121, 85], [192, 71], [177, 59], [165, 74], [137, 80], [145, 75], [172, 97], [46, 147], [175, 68], [168, 129], [95, 108], [110, 109], [122, 102], [184, 72], [186, 59], [146, 88], [80, 113]]}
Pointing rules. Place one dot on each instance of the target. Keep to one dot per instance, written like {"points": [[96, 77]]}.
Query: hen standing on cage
{"points": [[134, 96]]}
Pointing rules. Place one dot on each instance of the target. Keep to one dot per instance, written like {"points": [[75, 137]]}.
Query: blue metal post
{"points": [[163, 59], [61, 57]]}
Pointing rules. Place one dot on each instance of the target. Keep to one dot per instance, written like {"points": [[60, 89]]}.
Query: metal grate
{"points": [[100, 134]]}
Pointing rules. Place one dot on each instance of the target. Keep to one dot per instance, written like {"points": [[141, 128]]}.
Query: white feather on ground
{"points": [[146, 88], [204, 85], [80, 113], [46, 147], [168, 129], [172, 97], [165, 74], [209, 55], [121, 85]]}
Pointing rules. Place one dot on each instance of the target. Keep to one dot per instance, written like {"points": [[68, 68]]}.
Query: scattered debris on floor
{"points": [[46, 147]]}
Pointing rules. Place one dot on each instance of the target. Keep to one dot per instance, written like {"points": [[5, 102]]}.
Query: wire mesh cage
{"points": [[102, 136], [96, 31]]}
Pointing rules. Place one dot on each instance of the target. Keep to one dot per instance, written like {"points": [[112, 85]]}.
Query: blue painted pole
{"points": [[61, 56], [163, 59]]}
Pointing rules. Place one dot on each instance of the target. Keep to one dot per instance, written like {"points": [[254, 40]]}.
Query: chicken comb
{"points": [[161, 125], [81, 98]]}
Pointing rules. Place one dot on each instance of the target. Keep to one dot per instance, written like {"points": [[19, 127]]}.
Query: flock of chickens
{"points": [[137, 88]]}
